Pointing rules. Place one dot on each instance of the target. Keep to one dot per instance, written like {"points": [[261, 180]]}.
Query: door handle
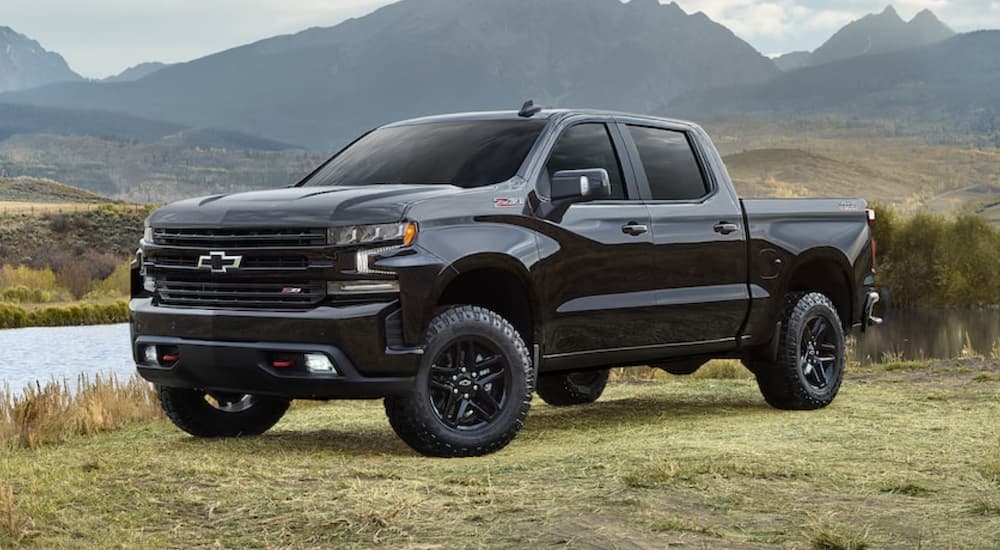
{"points": [[726, 228], [635, 229]]}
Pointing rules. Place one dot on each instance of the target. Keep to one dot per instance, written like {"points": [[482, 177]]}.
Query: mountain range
{"points": [[883, 32], [323, 86], [955, 83], [24, 63]]}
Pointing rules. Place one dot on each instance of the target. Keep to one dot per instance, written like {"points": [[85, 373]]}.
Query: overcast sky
{"points": [[103, 37]]}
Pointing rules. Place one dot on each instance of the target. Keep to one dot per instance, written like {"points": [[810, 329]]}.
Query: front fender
{"points": [[442, 254]]}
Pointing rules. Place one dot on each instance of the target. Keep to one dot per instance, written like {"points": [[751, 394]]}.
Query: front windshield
{"points": [[471, 153]]}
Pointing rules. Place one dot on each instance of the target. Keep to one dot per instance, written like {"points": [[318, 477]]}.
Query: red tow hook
{"points": [[171, 357], [283, 363]]}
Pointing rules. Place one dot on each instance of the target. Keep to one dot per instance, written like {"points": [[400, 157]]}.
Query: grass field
{"points": [[907, 457]]}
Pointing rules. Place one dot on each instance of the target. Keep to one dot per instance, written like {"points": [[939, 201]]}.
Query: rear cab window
{"points": [[671, 166]]}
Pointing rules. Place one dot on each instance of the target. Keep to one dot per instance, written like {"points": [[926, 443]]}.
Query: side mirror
{"points": [[580, 185]]}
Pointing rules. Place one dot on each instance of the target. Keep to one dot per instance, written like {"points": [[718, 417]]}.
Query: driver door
{"points": [[599, 287]]}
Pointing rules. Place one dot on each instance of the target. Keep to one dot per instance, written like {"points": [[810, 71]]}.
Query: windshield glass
{"points": [[465, 153]]}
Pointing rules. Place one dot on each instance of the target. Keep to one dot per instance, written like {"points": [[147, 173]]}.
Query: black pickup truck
{"points": [[455, 265]]}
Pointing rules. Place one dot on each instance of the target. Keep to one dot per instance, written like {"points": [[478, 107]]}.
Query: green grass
{"points": [[900, 461]]}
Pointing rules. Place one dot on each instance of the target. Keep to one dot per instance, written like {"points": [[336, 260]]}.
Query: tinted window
{"points": [[671, 167], [466, 154], [587, 146]]}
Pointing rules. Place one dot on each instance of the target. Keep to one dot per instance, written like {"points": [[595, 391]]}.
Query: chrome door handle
{"points": [[726, 228], [635, 229]]}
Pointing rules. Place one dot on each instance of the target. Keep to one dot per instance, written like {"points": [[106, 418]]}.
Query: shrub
{"points": [[115, 285], [14, 316], [42, 279], [75, 277], [933, 260], [22, 294]]}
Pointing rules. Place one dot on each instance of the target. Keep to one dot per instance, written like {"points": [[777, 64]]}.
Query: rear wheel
{"points": [[811, 356], [575, 388], [473, 390], [219, 414]]}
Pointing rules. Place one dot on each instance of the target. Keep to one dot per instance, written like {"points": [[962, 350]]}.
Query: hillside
{"points": [[888, 163], [136, 72], [323, 86], [157, 172], [953, 83], [798, 173], [33, 190], [29, 119], [24, 63]]}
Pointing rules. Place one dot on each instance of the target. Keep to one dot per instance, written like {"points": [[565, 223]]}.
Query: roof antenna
{"points": [[529, 109]]}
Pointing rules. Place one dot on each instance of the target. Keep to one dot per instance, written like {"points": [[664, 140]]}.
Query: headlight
{"points": [[367, 234], [147, 235]]}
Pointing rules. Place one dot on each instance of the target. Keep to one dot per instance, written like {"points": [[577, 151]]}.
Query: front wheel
{"points": [[217, 414], [811, 356], [473, 390]]}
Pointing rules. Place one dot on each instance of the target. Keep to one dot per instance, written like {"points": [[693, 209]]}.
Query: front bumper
{"points": [[233, 350]]}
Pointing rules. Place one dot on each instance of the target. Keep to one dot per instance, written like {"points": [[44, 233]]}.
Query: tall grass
{"points": [[45, 414]]}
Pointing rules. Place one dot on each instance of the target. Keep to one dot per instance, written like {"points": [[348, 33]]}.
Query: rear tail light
{"points": [[871, 225]]}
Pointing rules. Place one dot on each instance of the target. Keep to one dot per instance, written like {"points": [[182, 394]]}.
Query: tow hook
{"points": [[870, 319]]}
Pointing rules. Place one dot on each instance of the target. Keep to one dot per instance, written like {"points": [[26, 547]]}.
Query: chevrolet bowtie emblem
{"points": [[219, 262]]}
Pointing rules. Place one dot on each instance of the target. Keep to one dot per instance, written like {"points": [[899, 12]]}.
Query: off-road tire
{"points": [[416, 421], [783, 382], [574, 388], [189, 411]]}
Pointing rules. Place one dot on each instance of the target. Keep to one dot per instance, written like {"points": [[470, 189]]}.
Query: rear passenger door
{"points": [[700, 257], [596, 282]]}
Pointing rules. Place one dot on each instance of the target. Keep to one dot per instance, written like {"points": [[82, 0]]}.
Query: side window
{"points": [[587, 146], [671, 166]]}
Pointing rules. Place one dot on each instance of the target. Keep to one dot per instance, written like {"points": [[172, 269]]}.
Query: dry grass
{"points": [[831, 533], [903, 459], [723, 369], [9, 207], [49, 413], [995, 353], [15, 525]]}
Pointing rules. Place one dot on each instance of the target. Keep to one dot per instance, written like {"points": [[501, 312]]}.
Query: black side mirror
{"points": [[580, 185]]}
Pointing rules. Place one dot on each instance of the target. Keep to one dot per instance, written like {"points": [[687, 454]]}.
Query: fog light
{"points": [[150, 355], [319, 363]]}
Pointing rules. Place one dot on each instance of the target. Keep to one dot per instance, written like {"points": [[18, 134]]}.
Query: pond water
{"points": [[43, 354], [31, 354], [921, 333]]}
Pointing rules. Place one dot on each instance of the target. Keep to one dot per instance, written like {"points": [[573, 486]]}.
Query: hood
{"points": [[299, 206]]}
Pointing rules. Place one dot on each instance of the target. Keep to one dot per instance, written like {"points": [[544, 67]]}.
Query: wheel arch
{"points": [[828, 271], [498, 282]]}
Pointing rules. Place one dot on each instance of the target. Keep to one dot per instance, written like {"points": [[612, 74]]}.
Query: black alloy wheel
{"points": [[469, 383]]}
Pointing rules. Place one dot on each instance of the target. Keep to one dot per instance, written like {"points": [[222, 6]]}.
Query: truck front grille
{"points": [[240, 268], [250, 263], [188, 291], [221, 239]]}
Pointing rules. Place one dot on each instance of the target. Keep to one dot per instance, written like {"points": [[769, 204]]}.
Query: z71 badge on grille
{"points": [[220, 262]]}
